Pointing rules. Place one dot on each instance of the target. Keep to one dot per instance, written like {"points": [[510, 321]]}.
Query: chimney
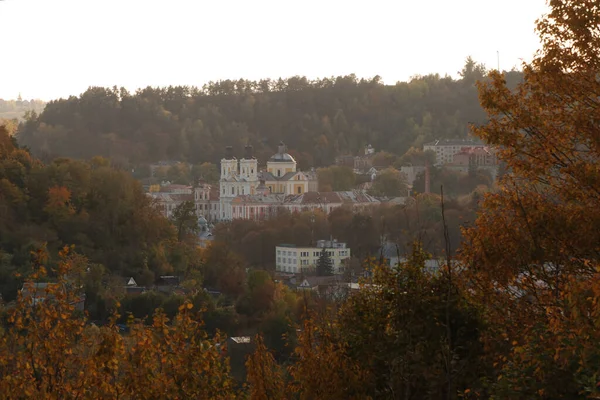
{"points": [[281, 148], [248, 152], [229, 153], [427, 177]]}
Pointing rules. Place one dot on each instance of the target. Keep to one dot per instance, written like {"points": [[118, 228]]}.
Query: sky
{"points": [[58, 48]]}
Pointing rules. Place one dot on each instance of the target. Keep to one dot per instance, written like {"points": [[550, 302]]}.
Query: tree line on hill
{"points": [[317, 119]]}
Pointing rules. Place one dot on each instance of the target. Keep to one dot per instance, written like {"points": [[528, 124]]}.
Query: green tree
{"points": [[324, 264], [336, 178], [390, 182], [207, 171], [185, 219], [416, 157]]}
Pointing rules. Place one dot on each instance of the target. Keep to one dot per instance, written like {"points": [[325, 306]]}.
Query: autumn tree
{"points": [[49, 351], [533, 255], [265, 377]]}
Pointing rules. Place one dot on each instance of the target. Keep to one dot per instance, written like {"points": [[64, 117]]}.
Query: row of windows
{"points": [[286, 260], [342, 253], [206, 206]]}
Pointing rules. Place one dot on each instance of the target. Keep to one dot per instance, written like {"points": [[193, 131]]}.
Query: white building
{"points": [[446, 149], [243, 180], [295, 259], [204, 197], [236, 179]]}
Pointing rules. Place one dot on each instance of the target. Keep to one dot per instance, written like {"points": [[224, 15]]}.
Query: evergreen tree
{"points": [[324, 264]]}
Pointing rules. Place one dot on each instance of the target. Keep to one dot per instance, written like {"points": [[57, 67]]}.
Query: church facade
{"points": [[242, 178]]}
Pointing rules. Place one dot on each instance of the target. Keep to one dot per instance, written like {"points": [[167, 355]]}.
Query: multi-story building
{"points": [[264, 204], [480, 156], [243, 178], [204, 197], [166, 202], [295, 259], [446, 149], [237, 178], [329, 201]]}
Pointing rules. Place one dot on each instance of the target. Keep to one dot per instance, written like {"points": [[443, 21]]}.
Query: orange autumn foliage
{"points": [[49, 351], [532, 257]]}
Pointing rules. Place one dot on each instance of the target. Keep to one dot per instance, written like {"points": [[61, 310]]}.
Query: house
{"points": [[168, 202], [131, 286], [168, 283], [130, 281], [365, 161], [389, 253], [206, 199], [39, 292]]}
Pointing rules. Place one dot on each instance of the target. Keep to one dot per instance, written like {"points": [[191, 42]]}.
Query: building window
{"points": [[278, 172], [232, 190], [299, 190]]}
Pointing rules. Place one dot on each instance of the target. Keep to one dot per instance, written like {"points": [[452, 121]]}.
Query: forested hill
{"points": [[317, 119]]}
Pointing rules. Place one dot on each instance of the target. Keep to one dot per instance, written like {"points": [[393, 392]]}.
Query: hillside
{"points": [[317, 119]]}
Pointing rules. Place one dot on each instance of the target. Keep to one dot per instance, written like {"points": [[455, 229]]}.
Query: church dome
{"points": [[281, 155]]}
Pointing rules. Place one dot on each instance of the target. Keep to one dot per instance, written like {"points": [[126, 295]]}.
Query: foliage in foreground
{"points": [[48, 351]]}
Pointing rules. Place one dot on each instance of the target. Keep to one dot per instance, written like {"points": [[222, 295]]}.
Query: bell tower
{"points": [[229, 164], [249, 165]]}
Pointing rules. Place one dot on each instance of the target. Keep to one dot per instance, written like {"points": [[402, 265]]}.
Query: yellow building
{"points": [[294, 259], [281, 175]]}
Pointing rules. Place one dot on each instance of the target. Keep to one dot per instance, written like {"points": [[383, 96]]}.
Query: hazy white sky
{"points": [[57, 48]]}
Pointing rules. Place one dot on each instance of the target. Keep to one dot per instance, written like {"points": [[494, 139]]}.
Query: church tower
{"points": [[249, 165], [229, 164]]}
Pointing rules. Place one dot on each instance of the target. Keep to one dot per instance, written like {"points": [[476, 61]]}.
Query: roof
{"points": [[267, 176], [314, 281], [389, 250], [348, 197], [453, 142], [259, 198], [174, 186], [474, 150], [282, 157], [241, 339], [29, 287], [171, 197]]}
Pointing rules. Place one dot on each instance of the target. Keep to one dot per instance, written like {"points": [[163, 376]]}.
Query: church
{"points": [[241, 178]]}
